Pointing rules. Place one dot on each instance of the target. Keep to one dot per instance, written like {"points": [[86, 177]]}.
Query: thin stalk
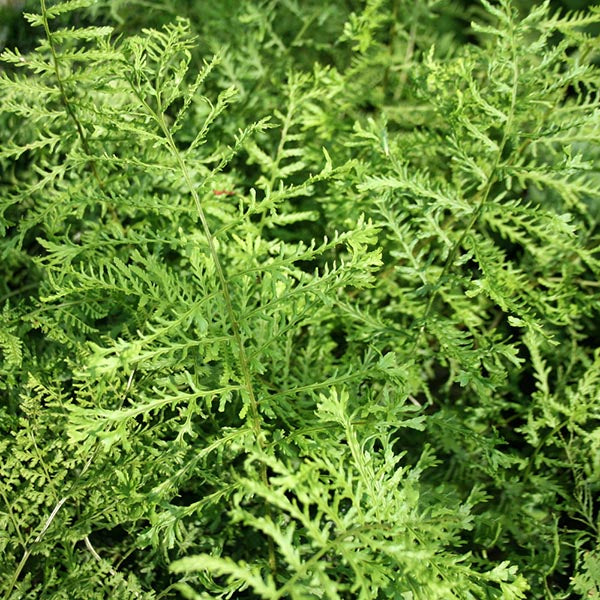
{"points": [[480, 205], [12, 517], [63, 95], [25, 288], [57, 507], [244, 363], [243, 357], [40, 535], [255, 418]]}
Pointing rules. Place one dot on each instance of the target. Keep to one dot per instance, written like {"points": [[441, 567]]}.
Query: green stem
{"points": [[480, 205], [255, 418], [63, 95], [243, 357], [12, 517], [25, 288], [68, 494]]}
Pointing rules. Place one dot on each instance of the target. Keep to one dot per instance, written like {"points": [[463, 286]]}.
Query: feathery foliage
{"points": [[300, 300]]}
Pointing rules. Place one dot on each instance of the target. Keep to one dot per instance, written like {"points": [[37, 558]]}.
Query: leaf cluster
{"points": [[300, 301]]}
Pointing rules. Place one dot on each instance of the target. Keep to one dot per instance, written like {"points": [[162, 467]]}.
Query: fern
{"points": [[299, 301]]}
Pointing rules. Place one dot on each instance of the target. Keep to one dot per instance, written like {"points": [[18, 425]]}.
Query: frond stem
{"points": [[483, 198], [65, 99], [58, 506], [255, 417]]}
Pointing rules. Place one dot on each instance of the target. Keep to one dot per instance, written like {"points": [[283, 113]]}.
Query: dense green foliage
{"points": [[299, 299]]}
